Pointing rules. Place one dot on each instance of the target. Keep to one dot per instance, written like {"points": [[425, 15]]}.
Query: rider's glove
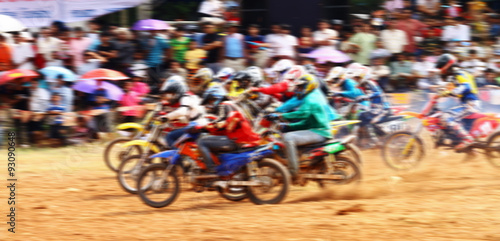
{"points": [[272, 117]]}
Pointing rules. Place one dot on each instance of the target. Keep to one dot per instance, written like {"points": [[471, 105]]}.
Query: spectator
{"points": [[431, 42], [176, 69], [38, 104], [471, 62], [56, 60], [108, 50], [56, 119], [65, 53], [365, 41], [179, 45], [91, 61], [234, 49], [158, 52], [433, 29], [491, 80], [47, 44], [22, 52], [306, 41], [78, 45], [5, 55], [381, 72], [401, 72], [494, 63], [287, 44], [102, 119], [325, 36], [125, 50], [257, 55], [273, 39], [138, 85], [429, 7], [20, 103], [422, 69], [194, 56], [453, 9], [411, 27], [213, 45], [495, 25], [64, 92], [130, 100], [380, 51], [96, 28]]}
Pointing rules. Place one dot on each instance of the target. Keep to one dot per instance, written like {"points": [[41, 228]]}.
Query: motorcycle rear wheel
{"points": [[396, 143], [275, 174], [342, 163]]}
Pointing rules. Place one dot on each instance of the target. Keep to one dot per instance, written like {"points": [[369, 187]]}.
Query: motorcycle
{"points": [[404, 150], [350, 109], [336, 161], [247, 171], [116, 152]]}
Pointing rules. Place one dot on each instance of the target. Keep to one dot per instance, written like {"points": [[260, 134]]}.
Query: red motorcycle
{"points": [[404, 150]]}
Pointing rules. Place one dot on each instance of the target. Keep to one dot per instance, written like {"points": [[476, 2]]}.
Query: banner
{"points": [[40, 13], [32, 13]]}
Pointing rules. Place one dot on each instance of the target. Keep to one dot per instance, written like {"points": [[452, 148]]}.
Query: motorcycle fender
{"points": [[334, 148], [125, 126], [173, 155], [142, 143]]}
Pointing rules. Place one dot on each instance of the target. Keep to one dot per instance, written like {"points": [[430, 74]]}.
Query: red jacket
{"points": [[277, 91], [242, 133]]}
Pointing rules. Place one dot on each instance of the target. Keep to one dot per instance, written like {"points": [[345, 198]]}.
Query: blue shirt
{"points": [[57, 119], [234, 45], [156, 47]]}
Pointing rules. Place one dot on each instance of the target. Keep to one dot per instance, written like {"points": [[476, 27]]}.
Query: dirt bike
{"points": [[350, 109], [116, 152], [335, 161], [247, 170], [404, 150]]}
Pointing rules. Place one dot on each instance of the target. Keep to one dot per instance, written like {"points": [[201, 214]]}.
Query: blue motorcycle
{"points": [[247, 171]]}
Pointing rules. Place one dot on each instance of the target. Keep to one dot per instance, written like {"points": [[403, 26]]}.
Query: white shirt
{"points": [[48, 45], [430, 4], [286, 45], [394, 40], [211, 7], [39, 100], [464, 32], [456, 32], [273, 41], [322, 35], [472, 64], [190, 109], [87, 66], [380, 71], [423, 67], [20, 53]]}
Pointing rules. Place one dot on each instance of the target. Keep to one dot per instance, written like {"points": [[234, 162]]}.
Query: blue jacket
{"points": [[375, 94], [464, 91]]}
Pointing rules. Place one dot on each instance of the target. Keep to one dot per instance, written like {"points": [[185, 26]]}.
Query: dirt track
{"points": [[63, 197]]}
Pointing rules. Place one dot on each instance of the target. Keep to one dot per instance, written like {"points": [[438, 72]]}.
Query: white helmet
{"points": [[282, 65], [336, 73], [173, 80], [294, 72], [354, 70], [206, 75], [225, 73], [256, 74]]}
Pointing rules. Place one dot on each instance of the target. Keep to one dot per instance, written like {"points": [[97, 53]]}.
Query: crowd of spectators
{"points": [[400, 42]]}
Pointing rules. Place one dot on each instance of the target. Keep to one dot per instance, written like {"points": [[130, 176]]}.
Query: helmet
{"points": [[445, 61], [217, 94], [336, 75], [295, 72], [282, 65], [365, 73], [256, 74], [244, 79], [203, 76], [311, 69], [225, 73], [175, 86], [305, 85]]}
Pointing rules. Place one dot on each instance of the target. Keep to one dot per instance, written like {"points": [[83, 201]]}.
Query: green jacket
{"points": [[311, 115]]}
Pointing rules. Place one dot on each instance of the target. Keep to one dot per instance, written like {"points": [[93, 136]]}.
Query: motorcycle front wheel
{"points": [[114, 153], [156, 188], [403, 151], [493, 150], [275, 180]]}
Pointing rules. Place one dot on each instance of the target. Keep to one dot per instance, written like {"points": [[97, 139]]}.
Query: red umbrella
{"points": [[16, 73], [104, 74]]}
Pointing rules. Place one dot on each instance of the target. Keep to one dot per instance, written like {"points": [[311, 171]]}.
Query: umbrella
{"points": [[150, 24], [104, 74], [89, 86], [328, 54], [51, 73], [10, 24], [16, 73]]}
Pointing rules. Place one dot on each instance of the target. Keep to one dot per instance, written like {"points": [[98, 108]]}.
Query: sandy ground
{"points": [[69, 194]]}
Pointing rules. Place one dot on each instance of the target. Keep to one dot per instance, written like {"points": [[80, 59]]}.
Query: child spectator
{"points": [[381, 72], [56, 119], [138, 85], [176, 69], [131, 100], [194, 56], [61, 88], [306, 41], [179, 45], [401, 72]]}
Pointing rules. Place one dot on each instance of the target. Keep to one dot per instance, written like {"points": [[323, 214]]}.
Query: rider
{"points": [[465, 89], [229, 132], [280, 68], [310, 120], [202, 80], [174, 91], [282, 90]]}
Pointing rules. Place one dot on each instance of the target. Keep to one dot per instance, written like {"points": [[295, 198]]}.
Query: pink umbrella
{"points": [[89, 86], [328, 54], [150, 24]]}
